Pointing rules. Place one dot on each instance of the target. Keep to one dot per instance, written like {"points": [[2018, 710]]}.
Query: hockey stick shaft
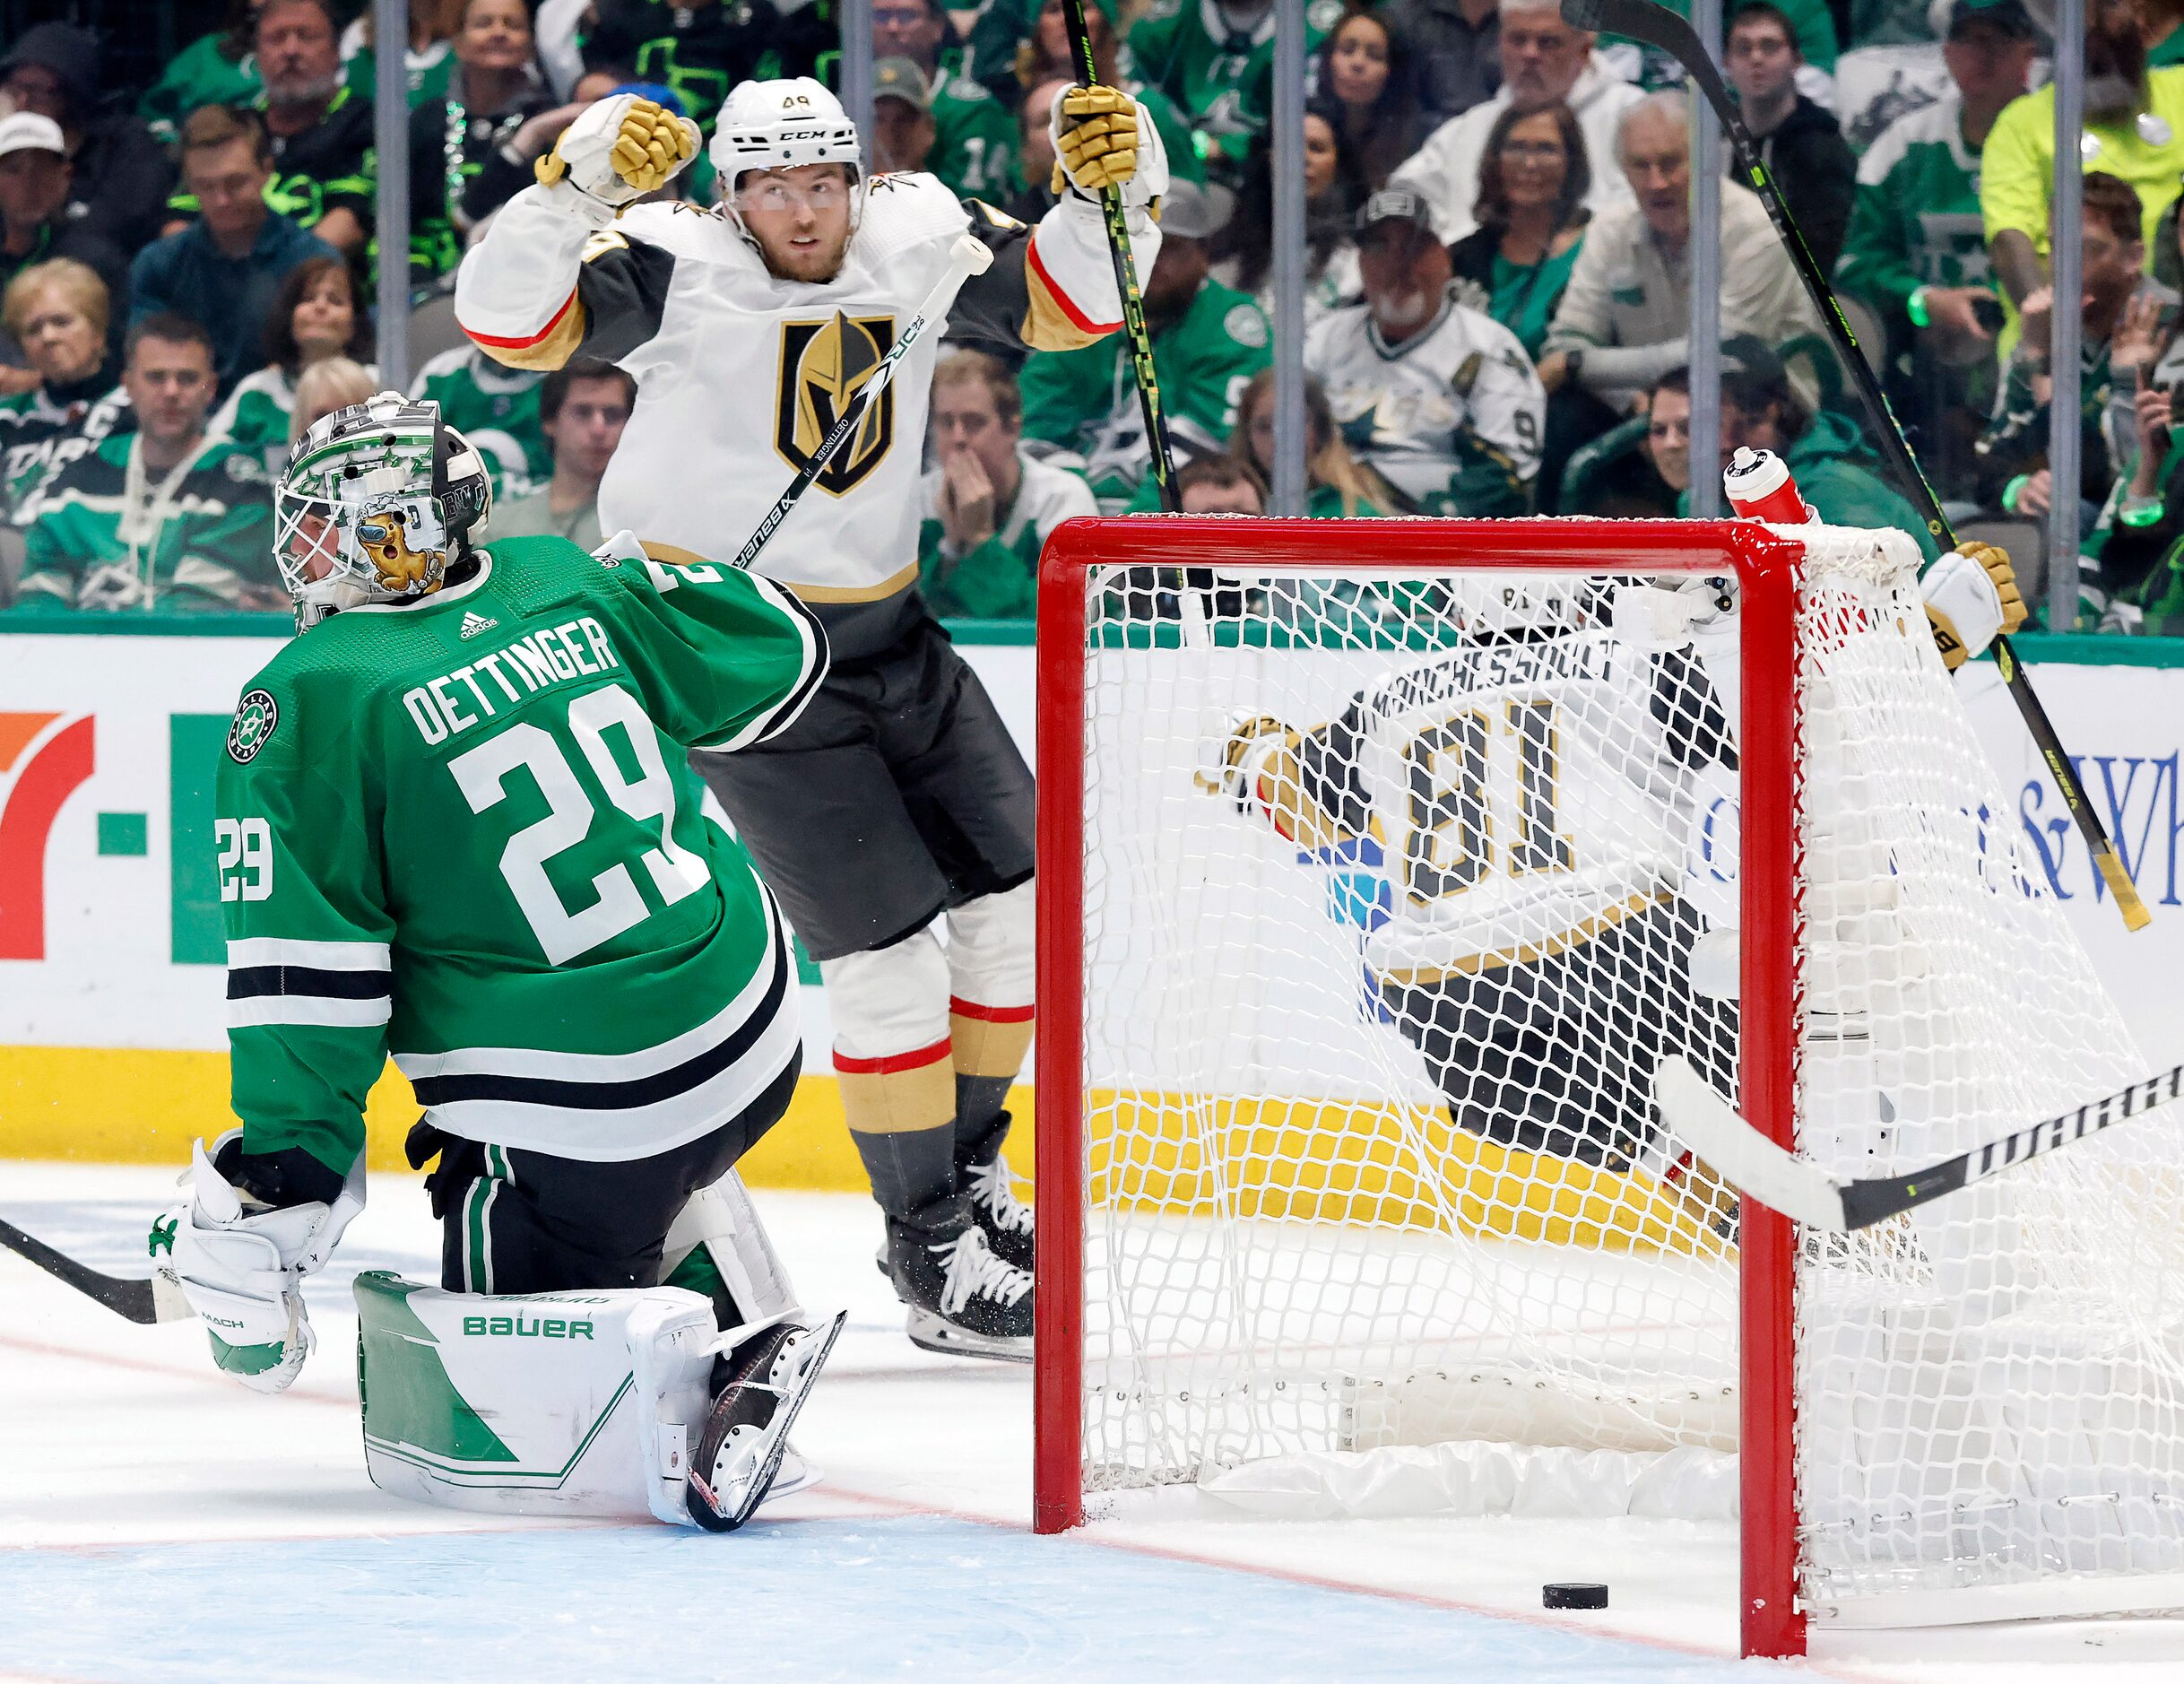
{"points": [[1137, 338], [156, 1299], [1756, 1166], [1654, 24], [969, 257]]}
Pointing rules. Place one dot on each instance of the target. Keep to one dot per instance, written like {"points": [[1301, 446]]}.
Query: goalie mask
{"points": [[379, 500], [781, 124]]}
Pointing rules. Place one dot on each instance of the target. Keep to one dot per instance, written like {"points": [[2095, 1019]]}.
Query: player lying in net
{"points": [[1537, 794], [456, 824], [898, 800]]}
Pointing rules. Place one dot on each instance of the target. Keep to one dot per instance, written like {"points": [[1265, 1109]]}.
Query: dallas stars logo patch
{"points": [[255, 718]]}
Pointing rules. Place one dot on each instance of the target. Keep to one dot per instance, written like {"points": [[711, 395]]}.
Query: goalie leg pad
{"points": [[582, 1402], [721, 1221]]}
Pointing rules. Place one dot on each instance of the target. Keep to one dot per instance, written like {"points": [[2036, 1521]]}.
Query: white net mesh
{"points": [[1396, 891]]}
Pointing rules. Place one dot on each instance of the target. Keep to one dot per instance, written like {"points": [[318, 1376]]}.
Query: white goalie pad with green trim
{"points": [[540, 1403]]}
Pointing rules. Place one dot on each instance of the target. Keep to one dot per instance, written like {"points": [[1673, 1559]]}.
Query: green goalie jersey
{"points": [[463, 831]]}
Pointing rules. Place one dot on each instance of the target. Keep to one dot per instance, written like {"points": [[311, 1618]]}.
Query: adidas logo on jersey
{"points": [[472, 624]]}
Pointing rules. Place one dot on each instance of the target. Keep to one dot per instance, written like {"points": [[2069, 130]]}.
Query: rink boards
{"points": [[111, 981]]}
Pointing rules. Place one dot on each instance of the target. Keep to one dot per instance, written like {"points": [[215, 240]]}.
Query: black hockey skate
{"points": [[963, 1300], [983, 1174], [740, 1449]]}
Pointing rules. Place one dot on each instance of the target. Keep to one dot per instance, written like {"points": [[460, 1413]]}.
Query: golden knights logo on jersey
{"points": [[823, 365]]}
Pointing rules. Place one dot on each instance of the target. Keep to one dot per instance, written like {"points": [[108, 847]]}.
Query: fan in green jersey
{"points": [[455, 826]]}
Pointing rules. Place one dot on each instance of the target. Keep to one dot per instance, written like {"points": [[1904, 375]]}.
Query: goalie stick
{"points": [[1654, 24], [156, 1299], [1760, 1169], [968, 257]]}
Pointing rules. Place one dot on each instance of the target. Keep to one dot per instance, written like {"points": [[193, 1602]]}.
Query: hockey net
{"points": [[1380, 864]]}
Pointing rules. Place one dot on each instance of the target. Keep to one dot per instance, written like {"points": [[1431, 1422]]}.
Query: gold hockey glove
{"points": [[1095, 139], [1971, 596], [619, 149]]}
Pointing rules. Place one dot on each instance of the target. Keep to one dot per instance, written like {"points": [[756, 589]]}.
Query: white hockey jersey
{"points": [[741, 374], [1526, 796], [1453, 416]]}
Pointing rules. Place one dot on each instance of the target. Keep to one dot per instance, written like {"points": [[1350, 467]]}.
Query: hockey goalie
{"points": [[454, 826]]}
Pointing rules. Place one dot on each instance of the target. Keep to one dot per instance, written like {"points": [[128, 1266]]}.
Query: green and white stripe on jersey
{"points": [[581, 1105]]}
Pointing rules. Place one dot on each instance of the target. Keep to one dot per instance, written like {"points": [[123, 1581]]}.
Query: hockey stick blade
{"points": [[156, 1299], [1740, 1154], [1758, 1167]]}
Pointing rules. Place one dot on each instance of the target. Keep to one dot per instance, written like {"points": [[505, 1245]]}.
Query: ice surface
{"points": [[157, 1520]]}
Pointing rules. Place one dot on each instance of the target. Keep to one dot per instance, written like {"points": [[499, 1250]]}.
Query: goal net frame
{"points": [[1771, 568]]}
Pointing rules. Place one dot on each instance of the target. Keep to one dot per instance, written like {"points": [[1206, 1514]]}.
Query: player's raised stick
{"points": [[969, 257], [157, 1299], [1135, 335], [1760, 1169], [1657, 26]]}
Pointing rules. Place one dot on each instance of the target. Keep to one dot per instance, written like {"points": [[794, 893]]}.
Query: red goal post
{"points": [[1767, 566]]}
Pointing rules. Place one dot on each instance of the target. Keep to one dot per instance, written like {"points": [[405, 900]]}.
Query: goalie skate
{"points": [[962, 1299], [746, 1433]]}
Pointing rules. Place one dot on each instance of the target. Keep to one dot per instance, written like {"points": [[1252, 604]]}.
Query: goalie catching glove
{"points": [[620, 149], [1095, 132], [1971, 596], [241, 1264]]}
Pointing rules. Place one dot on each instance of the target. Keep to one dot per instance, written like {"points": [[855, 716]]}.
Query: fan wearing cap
{"points": [[902, 117], [975, 134], [898, 800], [1209, 340], [118, 175], [1439, 397], [35, 226]]}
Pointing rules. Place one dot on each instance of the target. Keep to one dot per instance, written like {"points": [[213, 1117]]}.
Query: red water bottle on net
{"points": [[1758, 487]]}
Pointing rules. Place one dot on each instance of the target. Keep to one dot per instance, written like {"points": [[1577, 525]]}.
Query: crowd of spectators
{"points": [[1499, 258]]}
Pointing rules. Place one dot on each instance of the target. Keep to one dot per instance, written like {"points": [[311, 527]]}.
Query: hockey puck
{"points": [[1572, 1596]]}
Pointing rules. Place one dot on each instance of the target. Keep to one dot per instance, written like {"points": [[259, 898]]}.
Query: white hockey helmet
{"points": [[377, 501], [780, 124]]}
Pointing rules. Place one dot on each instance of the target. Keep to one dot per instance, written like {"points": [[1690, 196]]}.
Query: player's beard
{"points": [[814, 268]]}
